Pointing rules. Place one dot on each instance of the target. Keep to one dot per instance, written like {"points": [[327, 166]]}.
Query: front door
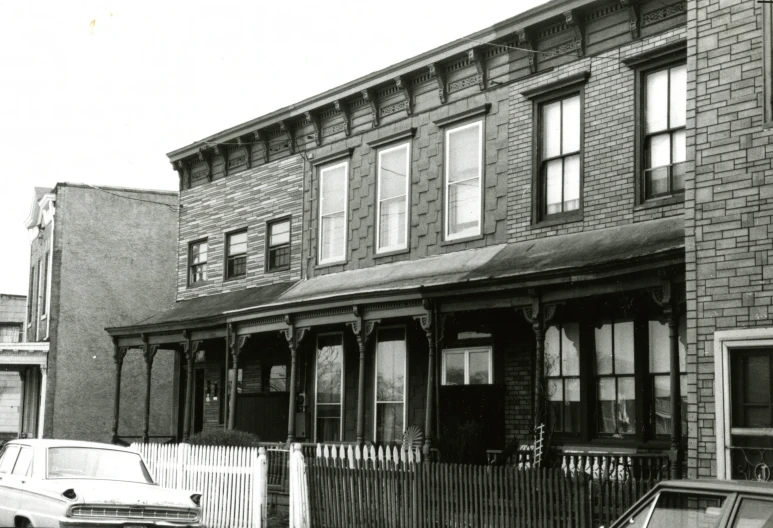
{"points": [[264, 414]]}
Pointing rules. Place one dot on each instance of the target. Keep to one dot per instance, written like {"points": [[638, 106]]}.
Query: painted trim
{"points": [[390, 138], [398, 247], [322, 171], [466, 351], [466, 114], [564, 83]]}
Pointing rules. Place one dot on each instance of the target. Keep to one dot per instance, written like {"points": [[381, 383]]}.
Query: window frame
{"points": [[638, 373], [269, 247], [652, 375], [382, 151], [321, 172], [375, 382], [450, 129], [466, 351], [189, 265], [343, 382], [30, 294], [43, 295], [227, 253], [562, 377]]}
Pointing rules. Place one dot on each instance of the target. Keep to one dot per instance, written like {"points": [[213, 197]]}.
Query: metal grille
{"points": [[134, 512]]}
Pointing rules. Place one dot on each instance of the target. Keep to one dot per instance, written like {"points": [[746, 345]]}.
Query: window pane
{"points": [[570, 343], [687, 510], [551, 119], [333, 183], [660, 347], [277, 381], [657, 181], [678, 95], [9, 458], [683, 344], [604, 349], [662, 392], [390, 365], [328, 423], [454, 368], [757, 379], [572, 183], [280, 233], [678, 146], [606, 399], [392, 219], [657, 101], [23, 461], [389, 422], [554, 186], [555, 390], [464, 153], [553, 351], [237, 243], [659, 150], [624, 347], [332, 237], [626, 406], [392, 173], [479, 368], [571, 125], [677, 177], [329, 369], [572, 406], [463, 207], [754, 513]]}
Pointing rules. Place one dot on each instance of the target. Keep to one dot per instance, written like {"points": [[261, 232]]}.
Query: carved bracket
{"points": [[315, 122], [287, 128], [425, 320], [538, 314], [183, 169], [206, 158], [437, 71], [634, 16], [362, 329], [574, 21], [237, 345], [372, 100], [149, 352], [342, 108], [247, 144], [261, 138], [119, 354], [476, 56], [292, 334], [665, 297], [405, 89], [524, 42], [222, 151]]}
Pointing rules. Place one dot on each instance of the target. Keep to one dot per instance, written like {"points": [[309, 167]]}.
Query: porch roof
{"points": [[568, 258]]}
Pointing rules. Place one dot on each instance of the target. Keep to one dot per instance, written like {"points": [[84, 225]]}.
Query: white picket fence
{"points": [[227, 477], [368, 457]]}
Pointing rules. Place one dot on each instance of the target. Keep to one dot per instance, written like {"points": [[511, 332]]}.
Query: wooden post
{"points": [[149, 352], [237, 343], [118, 355], [362, 330], [293, 336], [260, 491], [426, 322], [539, 315], [189, 348]]}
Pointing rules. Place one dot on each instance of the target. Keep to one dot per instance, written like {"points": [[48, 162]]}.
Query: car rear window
{"points": [[96, 463]]}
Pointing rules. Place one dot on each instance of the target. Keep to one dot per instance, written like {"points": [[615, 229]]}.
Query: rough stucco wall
{"points": [[115, 266]]}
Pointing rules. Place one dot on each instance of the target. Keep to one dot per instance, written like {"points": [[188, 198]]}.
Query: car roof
{"points": [[733, 486], [50, 442]]}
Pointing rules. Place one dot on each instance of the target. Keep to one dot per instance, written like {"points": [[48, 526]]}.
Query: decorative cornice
{"points": [[313, 118], [206, 157], [262, 138], [287, 128], [342, 108], [248, 144], [575, 22], [370, 97], [222, 151], [405, 89], [559, 84], [183, 168], [634, 16], [439, 74], [477, 57], [524, 41]]}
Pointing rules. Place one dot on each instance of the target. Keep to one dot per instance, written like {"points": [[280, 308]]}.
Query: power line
{"points": [[172, 208]]}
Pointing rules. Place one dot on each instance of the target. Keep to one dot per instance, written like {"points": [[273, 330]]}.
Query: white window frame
{"points": [[448, 133], [322, 172], [397, 247], [725, 341], [467, 351], [343, 381], [375, 381]]}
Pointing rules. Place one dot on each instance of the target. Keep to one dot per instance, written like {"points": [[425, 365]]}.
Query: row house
{"points": [[459, 248]]}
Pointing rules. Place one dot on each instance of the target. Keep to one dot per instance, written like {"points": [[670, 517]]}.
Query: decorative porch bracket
{"points": [[189, 349], [119, 353], [148, 352], [574, 20], [237, 344], [426, 321], [206, 157], [539, 315], [342, 108], [315, 121], [633, 16], [294, 336], [183, 168], [287, 128], [664, 298], [362, 330], [524, 42]]}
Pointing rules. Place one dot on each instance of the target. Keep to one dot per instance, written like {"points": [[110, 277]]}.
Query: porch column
{"points": [[118, 354], [666, 301], [42, 408], [539, 315], [362, 330], [426, 322], [189, 349], [23, 399], [149, 352], [293, 336], [237, 343]]}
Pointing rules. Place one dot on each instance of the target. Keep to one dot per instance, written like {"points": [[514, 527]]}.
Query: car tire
{"points": [[24, 523]]}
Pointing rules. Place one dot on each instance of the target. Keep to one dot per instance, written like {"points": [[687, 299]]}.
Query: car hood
{"points": [[124, 493]]}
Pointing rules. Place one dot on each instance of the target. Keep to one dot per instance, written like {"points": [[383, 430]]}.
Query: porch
{"points": [[23, 378]]}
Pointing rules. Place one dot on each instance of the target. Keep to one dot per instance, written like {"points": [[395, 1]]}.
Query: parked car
{"points": [[702, 504], [60, 483]]}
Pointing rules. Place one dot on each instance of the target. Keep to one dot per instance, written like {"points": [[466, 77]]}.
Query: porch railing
{"points": [[751, 463]]}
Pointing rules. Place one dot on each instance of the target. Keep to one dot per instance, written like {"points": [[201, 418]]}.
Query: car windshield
{"points": [[95, 463], [687, 510]]}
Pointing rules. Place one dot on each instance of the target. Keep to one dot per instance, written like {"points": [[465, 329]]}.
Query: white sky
{"points": [[103, 104]]}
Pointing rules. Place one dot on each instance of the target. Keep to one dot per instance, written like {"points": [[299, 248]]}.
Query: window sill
{"points": [[660, 202], [330, 264], [392, 253], [235, 279], [461, 240], [559, 218], [200, 284]]}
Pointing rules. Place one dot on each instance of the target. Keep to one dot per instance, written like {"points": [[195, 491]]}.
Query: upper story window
{"points": [[236, 254], [197, 262], [393, 184], [43, 292], [278, 247], [463, 180], [665, 110], [560, 156], [333, 186], [467, 366], [10, 333]]}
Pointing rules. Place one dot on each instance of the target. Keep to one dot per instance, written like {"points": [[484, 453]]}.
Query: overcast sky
{"points": [[99, 91]]}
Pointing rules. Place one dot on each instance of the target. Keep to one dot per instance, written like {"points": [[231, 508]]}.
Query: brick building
{"points": [[498, 233], [98, 257]]}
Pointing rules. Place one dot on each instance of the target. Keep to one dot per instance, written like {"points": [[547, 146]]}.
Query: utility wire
{"points": [[172, 208]]}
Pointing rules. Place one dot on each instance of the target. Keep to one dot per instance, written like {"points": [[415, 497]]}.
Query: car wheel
{"points": [[24, 523]]}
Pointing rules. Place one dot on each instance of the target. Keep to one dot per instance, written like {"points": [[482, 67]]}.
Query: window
{"points": [[332, 213], [43, 294], [277, 379], [464, 175], [393, 183], [754, 513], [329, 385], [470, 366], [8, 459], [23, 462], [660, 377], [278, 254], [562, 373], [560, 155], [751, 388], [615, 382], [236, 254], [687, 509], [10, 333], [197, 262], [665, 105], [30, 293], [390, 385]]}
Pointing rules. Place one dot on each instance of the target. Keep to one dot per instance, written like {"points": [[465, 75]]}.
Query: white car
{"points": [[60, 483]]}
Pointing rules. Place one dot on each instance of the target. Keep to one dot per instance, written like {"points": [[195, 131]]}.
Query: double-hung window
{"points": [[467, 366], [615, 378], [197, 262], [463, 180], [660, 376], [329, 387], [390, 384], [393, 184], [278, 252], [562, 372], [560, 156], [236, 254], [665, 111], [332, 212], [43, 284]]}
